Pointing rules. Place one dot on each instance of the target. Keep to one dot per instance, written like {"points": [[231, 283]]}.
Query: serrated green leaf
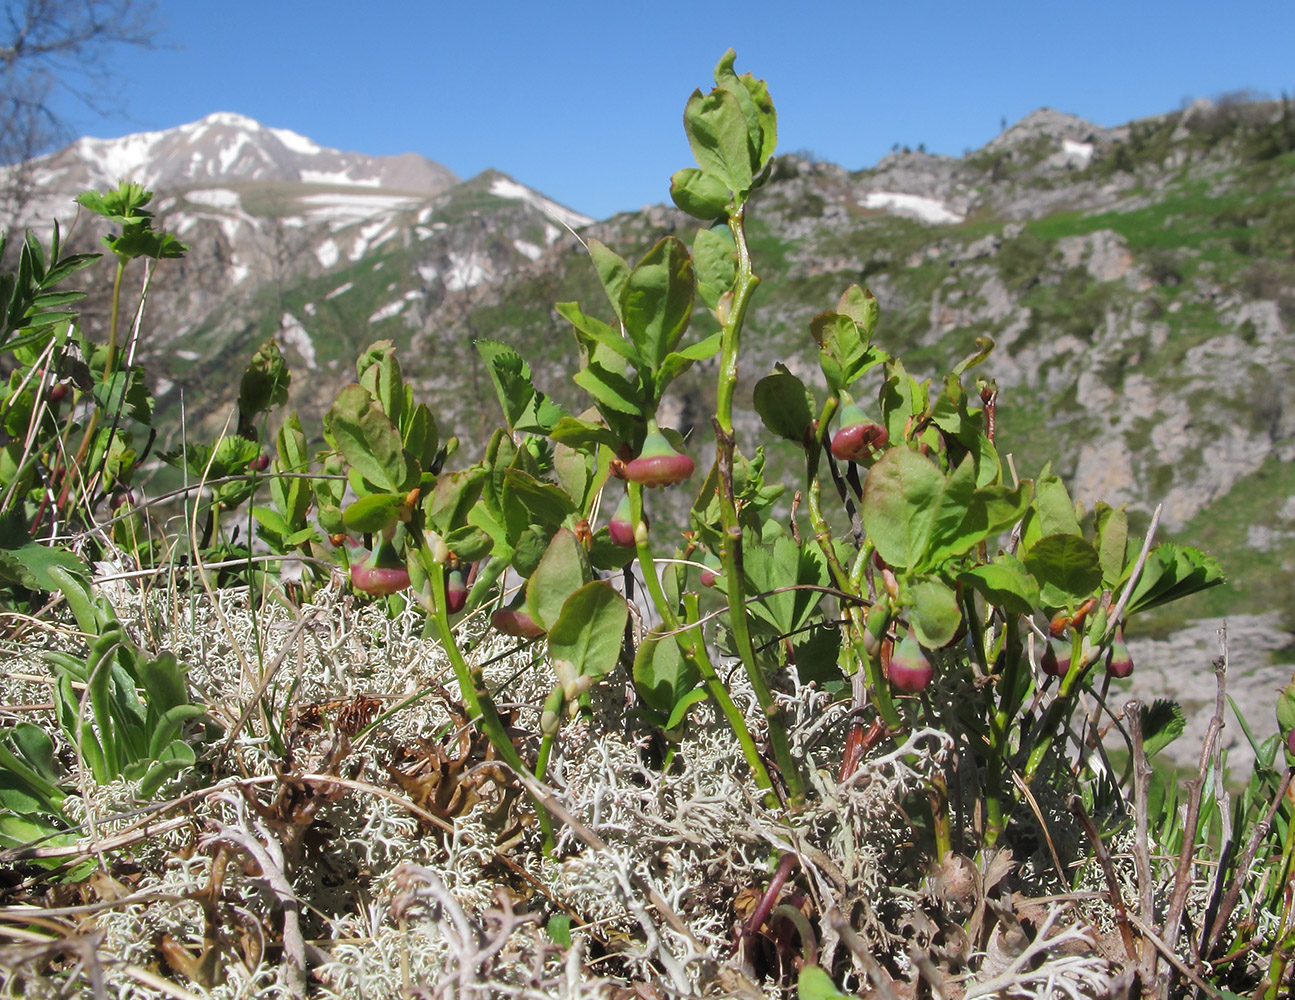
{"points": [[1163, 722]]}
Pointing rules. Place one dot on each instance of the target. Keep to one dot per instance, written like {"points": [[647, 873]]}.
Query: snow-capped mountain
{"points": [[223, 148]]}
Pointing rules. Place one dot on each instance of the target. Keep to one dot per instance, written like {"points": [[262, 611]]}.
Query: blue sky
{"points": [[583, 101]]}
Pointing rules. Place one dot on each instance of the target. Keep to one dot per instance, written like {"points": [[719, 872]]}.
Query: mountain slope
{"points": [[1139, 282]]}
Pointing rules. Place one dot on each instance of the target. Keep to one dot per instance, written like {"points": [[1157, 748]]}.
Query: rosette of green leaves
{"points": [[118, 732], [124, 208]]}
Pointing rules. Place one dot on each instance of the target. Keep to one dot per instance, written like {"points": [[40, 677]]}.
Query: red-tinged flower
{"points": [[514, 620], [1055, 661], [456, 592], [658, 464], [860, 437], [382, 573], [1118, 661], [908, 668], [621, 527]]}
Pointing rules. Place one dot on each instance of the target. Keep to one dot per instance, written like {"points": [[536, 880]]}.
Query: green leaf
{"points": [[559, 929], [717, 132], [264, 384], [1005, 584], [378, 371], [373, 513], [1163, 722], [935, 616], [701, 195], [612, 270], [784, 404], [714, 255], [168, 726], [1172, 572], [291, 495], [368, 440], [656, 301], [817, 652], [815, 984], [163, 680], [906, 500], [902, 398], [596, 331], [577, 433], [611, 390], [1067, 568], [546, 502], [36, 749], [470, 542], [775, 564], [453, 496], [562, 571], [1053, 506], [862, 307], [29, 565], [590, 629], [661, 675], [177, 757], [525, 408], [1112, 525]]}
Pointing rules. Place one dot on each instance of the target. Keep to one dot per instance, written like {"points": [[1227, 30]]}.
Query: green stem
{"points": [[878, 685], [115, 314], [1062, 706], [731, 547], [476, 699], [692, 644], [92, 424], [735, 590], [1282, 944]]}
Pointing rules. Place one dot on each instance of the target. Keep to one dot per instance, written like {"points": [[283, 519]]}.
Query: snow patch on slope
{"points": [[528, 249], [294, 335], [341, 178], [215, 198], [388, 311], [466, 270], [1080, 154], [911, 206], [295, 142], [502, 187], [328, 252]]}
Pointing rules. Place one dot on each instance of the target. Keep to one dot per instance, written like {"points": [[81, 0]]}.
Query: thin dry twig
{"points": [[1141, 849], [1114, 894]]}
